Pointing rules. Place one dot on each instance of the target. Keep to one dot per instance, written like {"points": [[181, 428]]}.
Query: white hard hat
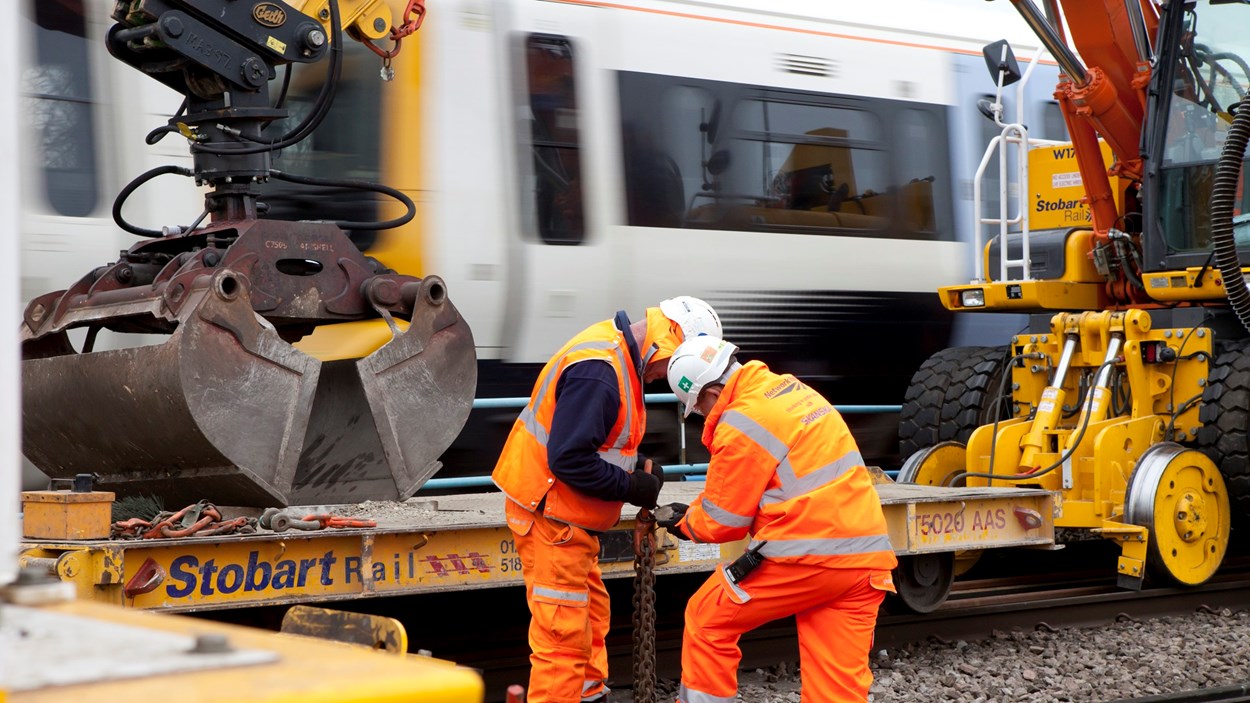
{"points": [[698, 362], [694, 316]]}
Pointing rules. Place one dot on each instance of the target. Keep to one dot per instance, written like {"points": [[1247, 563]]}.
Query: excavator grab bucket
{"points": [[225, 409], [380, 423]]}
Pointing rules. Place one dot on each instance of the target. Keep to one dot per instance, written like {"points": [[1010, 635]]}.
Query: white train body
{"points": [[851, 308]]}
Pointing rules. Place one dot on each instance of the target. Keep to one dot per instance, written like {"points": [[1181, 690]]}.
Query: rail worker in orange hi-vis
{"points": [[785, 470], [569, 464]]}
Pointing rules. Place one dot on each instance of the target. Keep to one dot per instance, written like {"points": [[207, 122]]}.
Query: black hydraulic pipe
{"points": [[1138, 23], [131, 187], [1067, 60], [1223, 199]]}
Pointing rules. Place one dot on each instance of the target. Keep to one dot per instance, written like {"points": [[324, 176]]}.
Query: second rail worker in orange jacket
{"points": [[569, 464], [785, 470]]}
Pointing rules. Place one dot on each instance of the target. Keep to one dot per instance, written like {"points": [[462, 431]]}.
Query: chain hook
{"points": [[644, 607], [408, 26]]}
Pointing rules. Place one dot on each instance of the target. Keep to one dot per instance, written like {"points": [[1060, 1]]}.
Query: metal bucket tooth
{"points": [[380, 423], [218, 410]]}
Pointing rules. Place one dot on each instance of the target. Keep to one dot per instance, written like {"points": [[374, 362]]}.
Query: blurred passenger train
{"points": [[809, 175]]}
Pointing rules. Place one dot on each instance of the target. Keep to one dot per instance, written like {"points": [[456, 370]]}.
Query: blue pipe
{"points": [[495, 403], [688, 472], [481, 481]]}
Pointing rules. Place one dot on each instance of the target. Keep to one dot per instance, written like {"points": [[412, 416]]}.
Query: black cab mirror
{"points": [[1000, 59], [719, 162]]}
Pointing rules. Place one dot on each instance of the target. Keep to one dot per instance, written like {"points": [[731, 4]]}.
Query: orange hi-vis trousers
{"points": [[836, 610], [569, 608]]}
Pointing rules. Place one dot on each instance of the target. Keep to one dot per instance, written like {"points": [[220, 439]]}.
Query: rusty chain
{"points": [[644, 607], [201, 519]]}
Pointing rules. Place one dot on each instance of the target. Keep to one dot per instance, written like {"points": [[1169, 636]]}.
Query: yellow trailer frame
{"points": [[465, 544]]}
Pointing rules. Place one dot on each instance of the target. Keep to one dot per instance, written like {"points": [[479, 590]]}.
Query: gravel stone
{"points": [[1126, 659]]}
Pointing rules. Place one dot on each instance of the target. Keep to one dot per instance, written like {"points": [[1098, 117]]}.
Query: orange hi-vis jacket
{"points": [[785, 469], [522, 471]]}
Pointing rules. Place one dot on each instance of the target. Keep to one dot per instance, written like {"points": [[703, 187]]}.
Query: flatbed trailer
{"points": [[461, 542]]}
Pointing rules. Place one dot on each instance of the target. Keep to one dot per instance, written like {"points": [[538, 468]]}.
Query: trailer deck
{"points": [[462, 542]]}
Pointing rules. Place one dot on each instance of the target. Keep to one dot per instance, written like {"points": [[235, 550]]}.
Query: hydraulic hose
{"points": [[409, 212], [131, 187], [1223, 200]]}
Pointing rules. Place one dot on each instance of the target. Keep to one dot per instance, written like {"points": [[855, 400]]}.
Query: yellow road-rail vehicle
{"points": [[462, 542], [1129, 391]]}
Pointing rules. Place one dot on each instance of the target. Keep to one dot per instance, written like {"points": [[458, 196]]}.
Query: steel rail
{"points": [[974, 611], [1238, 693]]}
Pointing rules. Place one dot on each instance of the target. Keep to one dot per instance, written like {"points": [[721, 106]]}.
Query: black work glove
{"points": [[644, 489], [669, 515], [656, 470]]}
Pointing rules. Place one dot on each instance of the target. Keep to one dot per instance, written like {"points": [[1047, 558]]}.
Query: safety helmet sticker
{"points": [[685, 383]]}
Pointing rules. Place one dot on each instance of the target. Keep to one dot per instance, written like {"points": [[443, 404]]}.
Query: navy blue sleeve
{"points": [[587, 404]]}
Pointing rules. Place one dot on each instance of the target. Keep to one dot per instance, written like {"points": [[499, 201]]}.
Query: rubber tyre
{"points": [[950, 395], [1225, 415]]}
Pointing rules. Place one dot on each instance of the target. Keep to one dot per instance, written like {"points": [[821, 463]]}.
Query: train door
{"points": [[83, 120], [560, 271]]}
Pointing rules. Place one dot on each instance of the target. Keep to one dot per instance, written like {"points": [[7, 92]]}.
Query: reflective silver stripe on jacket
{"points": [[827, 546], [623, 438], [576, 596], [725, 517], [757, 433], [689, 695], [793, 486], [527, 417], [614, 457], [742, 595], [532, 425]]}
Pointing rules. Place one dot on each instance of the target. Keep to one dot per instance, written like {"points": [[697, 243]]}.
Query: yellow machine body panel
{"points": [[1056, 195], [1195, 284], [1080, 287], [199, 661]]}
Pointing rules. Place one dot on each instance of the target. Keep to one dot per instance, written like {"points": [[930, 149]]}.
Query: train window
{"points": [[58, 107], [555, 140], [716, 155], [665, 157], [1053, 126], [921, 169], [819, 165]]}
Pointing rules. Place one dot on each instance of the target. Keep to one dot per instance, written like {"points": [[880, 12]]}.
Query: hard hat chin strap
{"points": [[724, 378], [646, 357]]}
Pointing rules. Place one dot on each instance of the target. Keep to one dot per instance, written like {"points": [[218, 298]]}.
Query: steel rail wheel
{"points": [[941, 465], [923, 581], [1179, 495]]}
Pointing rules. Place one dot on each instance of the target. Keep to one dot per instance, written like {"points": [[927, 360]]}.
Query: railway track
{"points": [[974, 611], [486, 630], [1239, 693]]}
